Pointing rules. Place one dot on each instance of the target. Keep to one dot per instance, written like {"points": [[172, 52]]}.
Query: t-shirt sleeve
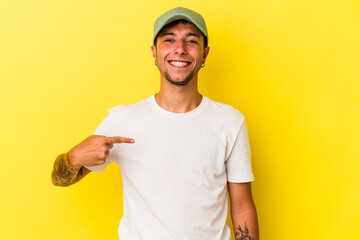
{"points": [[103, 129], [238, 164]]}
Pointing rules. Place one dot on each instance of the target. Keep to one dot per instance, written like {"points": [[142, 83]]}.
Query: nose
{"points": [[180, 48]]}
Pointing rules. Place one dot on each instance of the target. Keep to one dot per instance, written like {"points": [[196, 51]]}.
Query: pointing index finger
{"points": [[118, 139]]}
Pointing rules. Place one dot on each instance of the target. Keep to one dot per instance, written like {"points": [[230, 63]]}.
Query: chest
{"points": [[193, 147]]}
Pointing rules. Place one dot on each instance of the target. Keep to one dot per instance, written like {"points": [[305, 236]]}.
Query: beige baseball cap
{"points": [[181, 13]]}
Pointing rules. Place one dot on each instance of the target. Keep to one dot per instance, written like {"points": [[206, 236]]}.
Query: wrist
{"points": [[71, 161]]}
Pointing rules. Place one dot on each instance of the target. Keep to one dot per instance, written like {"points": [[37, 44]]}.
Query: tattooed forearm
{"points": [[242, 234], [64, 174]]}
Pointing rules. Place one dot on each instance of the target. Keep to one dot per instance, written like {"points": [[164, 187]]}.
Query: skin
{"points": [[64, 173], [178, 93], [182, 42], [69, 168], [243, 211]]}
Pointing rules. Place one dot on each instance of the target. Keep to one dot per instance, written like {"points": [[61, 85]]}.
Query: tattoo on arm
{"points": [[63, 173], [243, 234]]}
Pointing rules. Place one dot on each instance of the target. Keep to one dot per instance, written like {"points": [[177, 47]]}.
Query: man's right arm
{"points": [[64, 173], [69, 168]]}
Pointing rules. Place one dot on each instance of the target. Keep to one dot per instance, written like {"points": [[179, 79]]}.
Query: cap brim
{"points": [[175, 18]]}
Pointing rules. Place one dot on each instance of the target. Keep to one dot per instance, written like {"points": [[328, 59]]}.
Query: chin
{"points": [[182, 82]]}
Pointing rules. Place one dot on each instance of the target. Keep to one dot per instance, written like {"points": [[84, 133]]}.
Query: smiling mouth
{"points": [[179, 63]]}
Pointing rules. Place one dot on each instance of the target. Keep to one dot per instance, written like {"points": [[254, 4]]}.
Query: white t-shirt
{"points": [[175, 174]]}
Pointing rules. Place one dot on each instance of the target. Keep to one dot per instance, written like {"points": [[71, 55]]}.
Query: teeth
{"points": [[178, 63]]}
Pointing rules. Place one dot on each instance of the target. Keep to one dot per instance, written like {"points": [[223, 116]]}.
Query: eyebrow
{"points": [[188, 34]]}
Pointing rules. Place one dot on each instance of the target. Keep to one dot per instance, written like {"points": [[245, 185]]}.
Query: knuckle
{"points": [[95, 137]]}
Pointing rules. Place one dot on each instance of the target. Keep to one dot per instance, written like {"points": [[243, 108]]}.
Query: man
{"points": [[189, 152]]}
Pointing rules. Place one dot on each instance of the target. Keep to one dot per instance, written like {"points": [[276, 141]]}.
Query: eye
{"points": [[168, 40], [192, 41]]}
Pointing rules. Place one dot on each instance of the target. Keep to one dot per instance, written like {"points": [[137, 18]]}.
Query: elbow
{"points": [[53, 182], [57, 182]]}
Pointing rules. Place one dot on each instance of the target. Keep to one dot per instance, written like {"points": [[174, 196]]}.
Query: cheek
{"points": [[198, 58], [197, 53], [162, 53]]}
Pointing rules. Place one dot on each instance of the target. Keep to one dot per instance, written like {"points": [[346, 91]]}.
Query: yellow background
{"points": [[291, 67]]}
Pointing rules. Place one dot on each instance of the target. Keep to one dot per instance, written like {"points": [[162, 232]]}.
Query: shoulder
{"points": [[130, 108], [225, 111]]}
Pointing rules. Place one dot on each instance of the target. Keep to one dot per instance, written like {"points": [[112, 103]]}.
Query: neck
{"points": [[178, 99]]}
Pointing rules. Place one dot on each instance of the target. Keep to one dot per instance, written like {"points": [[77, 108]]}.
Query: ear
{"points": [[153, 49], [206, 52]]}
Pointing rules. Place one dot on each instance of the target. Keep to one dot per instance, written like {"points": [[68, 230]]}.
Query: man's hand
{"points": [[69, 167], [94, 150]]}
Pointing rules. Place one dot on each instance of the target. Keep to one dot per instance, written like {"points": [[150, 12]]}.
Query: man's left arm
{"points": [[243, 211]]}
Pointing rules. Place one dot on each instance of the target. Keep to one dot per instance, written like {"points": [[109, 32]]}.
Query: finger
{"points": [[118, 139]]}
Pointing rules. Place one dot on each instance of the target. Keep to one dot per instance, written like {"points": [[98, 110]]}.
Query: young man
{"points": [[189, 152]]}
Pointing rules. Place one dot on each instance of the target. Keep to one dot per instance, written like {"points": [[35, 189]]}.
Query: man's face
{"points": [[179, 53]]}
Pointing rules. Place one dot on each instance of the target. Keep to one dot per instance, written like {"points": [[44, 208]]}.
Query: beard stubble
{"points": [[182, 83]]}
